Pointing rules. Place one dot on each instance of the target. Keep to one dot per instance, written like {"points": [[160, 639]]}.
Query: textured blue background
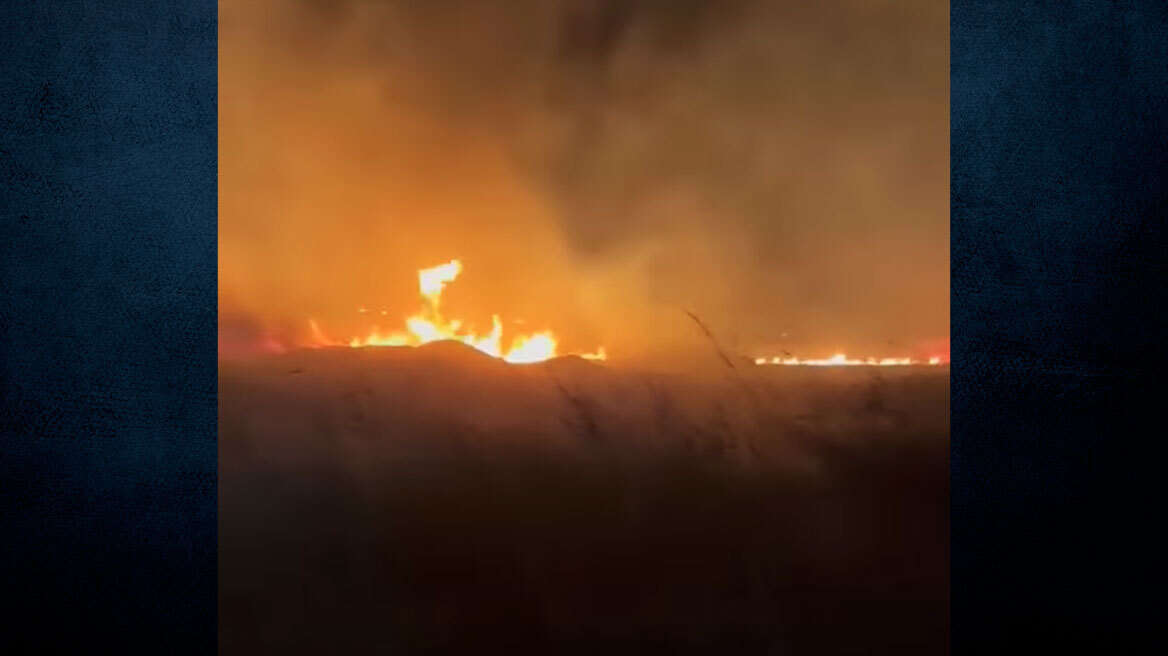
{"points": [[107, 321], [107, 324], [1059, 246]]}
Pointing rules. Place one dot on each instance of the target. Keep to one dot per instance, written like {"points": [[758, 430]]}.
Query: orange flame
{"points": [[428, 325], [842, 360]]}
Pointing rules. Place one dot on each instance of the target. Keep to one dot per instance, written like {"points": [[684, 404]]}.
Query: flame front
{"points": [[428, 325], [842, 360]]}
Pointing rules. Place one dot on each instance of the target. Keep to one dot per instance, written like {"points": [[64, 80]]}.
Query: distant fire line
{"points": [[842, 360]]}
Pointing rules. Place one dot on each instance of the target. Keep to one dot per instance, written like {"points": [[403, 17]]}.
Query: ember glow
{"points": [[428, 325], [842, 360]]}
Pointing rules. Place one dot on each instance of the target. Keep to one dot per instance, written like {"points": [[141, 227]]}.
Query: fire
{"points": [[599, 354], [428, 325], [842, 360]]}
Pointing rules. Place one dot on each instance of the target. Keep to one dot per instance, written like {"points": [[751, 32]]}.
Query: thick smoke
{"points": [[778, 168]]}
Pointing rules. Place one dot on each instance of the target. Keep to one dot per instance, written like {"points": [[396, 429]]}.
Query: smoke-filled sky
{"points": [[780, 168]]}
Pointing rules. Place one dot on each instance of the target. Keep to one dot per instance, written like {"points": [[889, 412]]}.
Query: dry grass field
{"points": [[437, 501]]}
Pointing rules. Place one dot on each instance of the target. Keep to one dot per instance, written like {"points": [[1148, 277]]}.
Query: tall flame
{"points": [[428, 325], [432, 281]]}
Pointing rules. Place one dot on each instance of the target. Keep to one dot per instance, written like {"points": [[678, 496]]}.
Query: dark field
{"points": [[432, 501]]}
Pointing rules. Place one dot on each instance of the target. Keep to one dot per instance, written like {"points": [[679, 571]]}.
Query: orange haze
{"points": [[778, 169]]}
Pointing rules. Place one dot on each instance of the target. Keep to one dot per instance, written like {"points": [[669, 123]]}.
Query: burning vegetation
{"points": [[842, 360], [429, 325], [613, 173]]}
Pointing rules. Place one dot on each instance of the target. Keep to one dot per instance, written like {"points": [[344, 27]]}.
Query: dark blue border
{"points": [[107, 322], [108, 447], [1059, 253]]}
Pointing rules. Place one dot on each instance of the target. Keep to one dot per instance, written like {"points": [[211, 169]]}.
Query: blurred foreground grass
{"points": [[438, 503]]}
